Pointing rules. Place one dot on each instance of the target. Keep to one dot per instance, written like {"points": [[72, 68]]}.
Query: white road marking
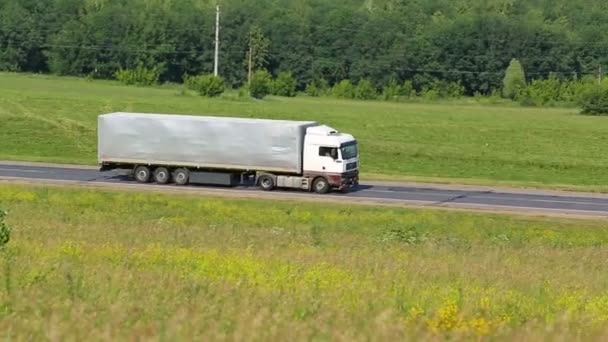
{"points": [[490, 197], [22, 170]]}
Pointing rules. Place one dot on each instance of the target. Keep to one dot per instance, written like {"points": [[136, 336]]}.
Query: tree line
{"points": [[462, 46]]}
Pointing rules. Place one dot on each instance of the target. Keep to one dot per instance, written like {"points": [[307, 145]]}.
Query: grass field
{"points": [[54, 119], [117, 265]]}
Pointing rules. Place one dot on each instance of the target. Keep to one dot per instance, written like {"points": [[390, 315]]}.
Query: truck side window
{"points": [[331, 152]]}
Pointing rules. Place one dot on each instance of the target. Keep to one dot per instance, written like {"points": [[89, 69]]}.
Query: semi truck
{"points": [[228, 151]]}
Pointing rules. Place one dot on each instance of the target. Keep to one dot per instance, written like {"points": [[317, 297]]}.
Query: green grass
{"points": [[45, 118], [118, 265]]}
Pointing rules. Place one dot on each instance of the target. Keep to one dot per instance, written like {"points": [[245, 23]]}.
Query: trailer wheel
{"points": [[181, 176], [162, 175], [266, 183], [320, 185], [142, 174]]}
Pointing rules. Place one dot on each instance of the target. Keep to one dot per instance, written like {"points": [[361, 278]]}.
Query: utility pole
{"points": [[250, 62], [217, 40]]}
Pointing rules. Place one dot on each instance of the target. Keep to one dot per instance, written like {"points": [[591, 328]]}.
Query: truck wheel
{"points": [[181, 176], [142, 174], [320, 185], [266, 183], [162, 175]]}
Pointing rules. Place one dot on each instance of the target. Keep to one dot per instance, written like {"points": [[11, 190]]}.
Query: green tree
{"points": [[317, 87], [464, 41], [206, 85], [261, 84], [595, 101], [407, 89], [365, 90], [514, 81], [391, 91], [19, 37], [257, 53], [344, 90], [285, 85], [141, 76]]}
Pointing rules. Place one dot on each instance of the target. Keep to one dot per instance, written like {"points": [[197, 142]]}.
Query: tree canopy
{"points": [[423, 41]]}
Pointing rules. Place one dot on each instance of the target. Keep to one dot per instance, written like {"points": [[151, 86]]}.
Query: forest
{"points": [[464, 42]]}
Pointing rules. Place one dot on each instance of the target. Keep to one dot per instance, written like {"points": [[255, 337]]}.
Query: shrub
{"points": [[365, 90], [285, 85], [261, 84], [141, 76], [514, 80], [595, 101], [579, 88], [343, 90], [5, 230], [542, 92], [442, 89], [391, 91], [206, 85], [430, 94], [243, 91], [449, 89], [317, 88], [408, 89]]}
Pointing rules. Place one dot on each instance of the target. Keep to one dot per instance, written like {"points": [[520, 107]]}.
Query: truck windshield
{"points": [[349, 150]]}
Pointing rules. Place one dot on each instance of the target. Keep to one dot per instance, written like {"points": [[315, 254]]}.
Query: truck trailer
{"points": [[213, 150]]}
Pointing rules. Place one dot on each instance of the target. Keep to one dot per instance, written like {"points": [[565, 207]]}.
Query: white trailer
{"points": [[183, 149]]}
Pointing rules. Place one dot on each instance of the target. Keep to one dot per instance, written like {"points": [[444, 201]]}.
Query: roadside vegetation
{"points": [[87, 263]]}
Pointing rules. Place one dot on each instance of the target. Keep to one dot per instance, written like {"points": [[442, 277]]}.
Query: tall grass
{"points": [[113, 265]]}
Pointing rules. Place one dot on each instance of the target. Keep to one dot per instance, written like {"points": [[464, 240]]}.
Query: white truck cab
{"points": [[332, 155]]}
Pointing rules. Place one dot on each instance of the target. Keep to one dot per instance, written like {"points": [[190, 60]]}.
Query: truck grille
{"points": [[351, 166]]}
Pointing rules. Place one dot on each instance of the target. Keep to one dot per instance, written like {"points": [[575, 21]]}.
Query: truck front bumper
{"points": [[348, 181]]}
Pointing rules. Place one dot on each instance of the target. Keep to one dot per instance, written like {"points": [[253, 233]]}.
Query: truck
{"points": [[228, 151]]}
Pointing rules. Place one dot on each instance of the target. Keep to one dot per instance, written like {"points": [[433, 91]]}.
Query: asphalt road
{"points": [[425, 196]]}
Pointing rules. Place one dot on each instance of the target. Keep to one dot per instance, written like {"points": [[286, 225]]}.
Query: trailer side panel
{"points": [[202, 141]]}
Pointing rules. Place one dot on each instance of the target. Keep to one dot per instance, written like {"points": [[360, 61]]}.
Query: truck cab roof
{"points": [[325, 135]]}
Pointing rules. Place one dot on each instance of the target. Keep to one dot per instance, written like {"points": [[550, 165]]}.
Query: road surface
{"points": [[529, 202]]}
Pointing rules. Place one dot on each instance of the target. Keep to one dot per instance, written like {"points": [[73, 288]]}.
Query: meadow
{"points": [[114, 265], [45, 118]]}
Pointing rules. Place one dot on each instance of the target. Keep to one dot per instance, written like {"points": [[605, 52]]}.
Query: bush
{"points": [[408, 89], [343, 90], [365, 90], [578, 89], [243, 91], [439, 89], [595, 102], [317, 88], [391, 91], [514, 80], [449, 89], [206, 85], [141, 76], [543, 92], [261, 84], [5, 230], [430, 95], [284, 85]]}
